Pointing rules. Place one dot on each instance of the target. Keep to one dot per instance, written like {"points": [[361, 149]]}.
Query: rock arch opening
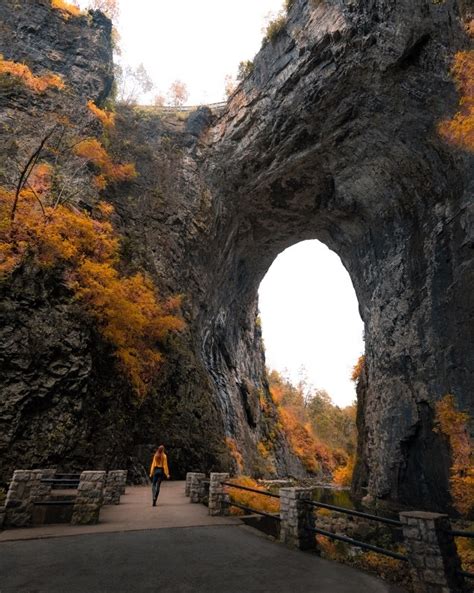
{"points": [[310, 319]]}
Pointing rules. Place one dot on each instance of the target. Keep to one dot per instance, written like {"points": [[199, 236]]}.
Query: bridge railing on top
{"points": [[428, 538], [170, 109]]}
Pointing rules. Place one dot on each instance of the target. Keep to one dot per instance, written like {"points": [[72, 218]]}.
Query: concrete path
{"points": [[133, 513], [174, 547], [221, 559]]}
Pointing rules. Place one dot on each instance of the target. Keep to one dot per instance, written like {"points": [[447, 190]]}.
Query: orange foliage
{"points": [[106, 118], [38, 84], [293, 421], [66, 8], [460, 129], [385, 567], [40, 178], [92, 150], [126, 309], [252, 499], [342, 476], [276, 391], [263, 450], [470, 28], [234, 451], [455, 426], [465, 548], [358, 368], [304, 444]]}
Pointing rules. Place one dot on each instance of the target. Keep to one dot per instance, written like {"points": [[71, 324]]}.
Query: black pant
{"points": [[158, 476]]}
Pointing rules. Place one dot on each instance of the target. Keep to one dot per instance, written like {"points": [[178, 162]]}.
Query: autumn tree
{"points": [[454, 425], [358, 368], [244, 70], [230, 84], [132, 83], [320, 433], [178, 93], [159, 100], [40, 220]]}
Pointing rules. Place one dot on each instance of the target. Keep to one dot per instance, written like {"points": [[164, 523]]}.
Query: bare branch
{"points": [[26, 172]]}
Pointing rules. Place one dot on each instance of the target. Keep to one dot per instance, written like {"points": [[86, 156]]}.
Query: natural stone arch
{"points": [[334, 137]]}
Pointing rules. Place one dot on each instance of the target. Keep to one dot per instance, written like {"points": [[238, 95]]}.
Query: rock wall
{"points": [[64, 403], [333, 137]]}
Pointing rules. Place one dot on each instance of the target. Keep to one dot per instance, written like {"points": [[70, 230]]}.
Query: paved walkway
{"points": [[225, 559], [172, 548], [134, 513]]}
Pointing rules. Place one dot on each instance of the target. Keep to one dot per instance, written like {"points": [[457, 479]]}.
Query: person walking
{"points": [[158, 470]]}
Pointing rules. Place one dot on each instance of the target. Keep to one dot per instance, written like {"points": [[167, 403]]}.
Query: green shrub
{"points": [[275, 27], [245, 69]]}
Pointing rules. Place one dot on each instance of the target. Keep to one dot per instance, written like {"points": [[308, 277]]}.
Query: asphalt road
{"points": [[218, 559]]}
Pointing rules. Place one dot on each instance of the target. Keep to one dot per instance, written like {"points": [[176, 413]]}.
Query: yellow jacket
{"points": [[163, 463]]}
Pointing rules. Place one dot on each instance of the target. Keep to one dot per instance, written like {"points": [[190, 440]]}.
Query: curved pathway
{"points": [[172, 548]]}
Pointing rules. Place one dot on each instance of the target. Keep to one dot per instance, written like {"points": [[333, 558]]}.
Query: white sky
{"points": [[307, 302], [310, 317], [198, 42]]}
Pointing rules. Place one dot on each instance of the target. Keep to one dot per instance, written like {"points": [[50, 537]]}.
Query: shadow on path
{"points": [[221, 559]]}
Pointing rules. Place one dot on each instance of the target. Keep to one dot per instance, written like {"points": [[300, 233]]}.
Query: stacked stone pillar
{"points": [[122, 479], [218, 497], [187, 486], [195, 486], [203, 490], [22, 493], [90, 497], [295, 518], [113, 487], [432, 554]]}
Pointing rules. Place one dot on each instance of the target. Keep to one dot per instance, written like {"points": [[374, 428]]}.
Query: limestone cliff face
{"points": [[63, 400], [333, 136]]}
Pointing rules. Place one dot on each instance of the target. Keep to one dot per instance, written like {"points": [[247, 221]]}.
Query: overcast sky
{"points": [[308, 307], [198, 42], [310, 318]]}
